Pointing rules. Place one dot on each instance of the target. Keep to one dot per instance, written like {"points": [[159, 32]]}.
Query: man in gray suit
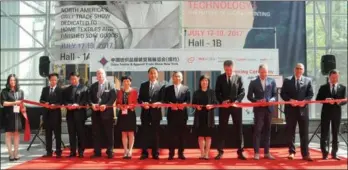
{"points": [[297, 88], [262, 89]]}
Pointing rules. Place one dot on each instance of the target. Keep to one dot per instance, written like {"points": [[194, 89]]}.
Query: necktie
{"points": [[100, 91], [151, 89], [333, 92], [176, 91], [229, 81], [263, 85], [74, 93], [298, 85], [51, 91]]}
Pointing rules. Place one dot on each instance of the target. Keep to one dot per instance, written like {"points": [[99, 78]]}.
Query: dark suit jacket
{"points": [[80, 97], [151, 114], [288, 91], [108, 98], [325, 92], [197, 95], [256, 92], [177, 116], [52, 115], [237, 91]]}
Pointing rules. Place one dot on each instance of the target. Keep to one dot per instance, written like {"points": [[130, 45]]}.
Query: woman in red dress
{"points": [[126, 117]]}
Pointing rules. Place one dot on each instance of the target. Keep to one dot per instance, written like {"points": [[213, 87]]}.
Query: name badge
{"points": [[124, 112], [16, 109], [107, 91]]}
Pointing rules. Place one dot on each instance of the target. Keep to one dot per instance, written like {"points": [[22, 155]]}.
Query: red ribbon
{"points": [[181, 106], [176, 105], [27, 125]]}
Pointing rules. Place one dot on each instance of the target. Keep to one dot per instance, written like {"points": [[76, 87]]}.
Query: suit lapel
{"points": [[234, 79], [258, 80], [293, 83], [302, 82], [179, 92]]}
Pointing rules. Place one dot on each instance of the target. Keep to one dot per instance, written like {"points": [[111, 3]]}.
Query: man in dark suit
{"points": [[52, 118], [262, 89], [331, 113], [297, 88], [151, 92], [102, 94], [74, 96], [177, 116], [229, 89]]}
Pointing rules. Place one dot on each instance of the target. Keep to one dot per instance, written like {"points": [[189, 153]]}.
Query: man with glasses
{"points": [[297, 88]]}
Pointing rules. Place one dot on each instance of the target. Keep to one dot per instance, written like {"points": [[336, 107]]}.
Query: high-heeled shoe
{"points": [[16, 159], [11, 159], [129, 155]]}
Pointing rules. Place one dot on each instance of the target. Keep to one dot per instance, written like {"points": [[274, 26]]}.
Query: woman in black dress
{"points": [[204, 116], [126, 116], [11, 98]]}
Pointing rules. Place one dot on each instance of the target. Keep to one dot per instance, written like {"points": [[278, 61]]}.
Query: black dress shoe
{"points": [[110, 156], [16, 159], [219, 156], [170, 157], [241, 156], [143, 157], [95, 156], [308, 158], [58, 155], [81, 155], [182, 157], [155, 157], [336, 157], [48, 155], [325, 156], [72, 156]]}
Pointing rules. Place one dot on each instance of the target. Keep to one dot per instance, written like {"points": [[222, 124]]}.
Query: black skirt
{"points": [[13, 122], [203, 129], [127, 122]]}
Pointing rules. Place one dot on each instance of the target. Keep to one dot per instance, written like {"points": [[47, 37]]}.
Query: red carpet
{"points": [[228, 162]]}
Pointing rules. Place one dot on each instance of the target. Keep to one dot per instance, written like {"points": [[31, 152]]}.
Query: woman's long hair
{"points": [[201, 79], [8, 87]]}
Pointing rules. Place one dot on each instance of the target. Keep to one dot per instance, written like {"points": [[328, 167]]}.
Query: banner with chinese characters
{"points": [[246, 62]]}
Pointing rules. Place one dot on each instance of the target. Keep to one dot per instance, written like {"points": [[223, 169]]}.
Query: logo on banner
{"points": [[191, 59], [103, 61]]}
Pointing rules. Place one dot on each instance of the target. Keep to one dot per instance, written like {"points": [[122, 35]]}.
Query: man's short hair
{"points": [[177, 72], [334, 71], [53, 74], [228, 63], [263, 66], [74, 74], [152, 68]]}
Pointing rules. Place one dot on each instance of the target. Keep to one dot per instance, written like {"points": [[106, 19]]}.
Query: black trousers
{"points": [[176, 138], [224, 114], [335, 119], [76, 126], [292, 119], [102, 126], [150, 131], [263, 120], [53, 125]]}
